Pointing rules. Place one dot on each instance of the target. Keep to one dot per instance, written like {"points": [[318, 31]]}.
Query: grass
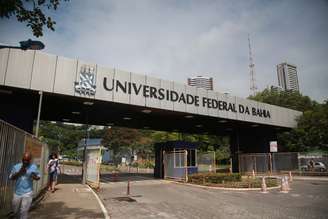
{"points": [[108, 168], [72, 163]]}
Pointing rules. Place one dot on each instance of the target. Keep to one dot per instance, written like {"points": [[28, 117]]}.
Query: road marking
{"points": [[104, 210]]}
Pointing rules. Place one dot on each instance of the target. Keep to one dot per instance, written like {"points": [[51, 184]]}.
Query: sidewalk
{"points": [[71, 200]]}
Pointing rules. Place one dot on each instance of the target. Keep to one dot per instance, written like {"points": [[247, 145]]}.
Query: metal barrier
{"points": [[259, 163], [13, 143], [206, 161], [287, 161], [279, 162]]}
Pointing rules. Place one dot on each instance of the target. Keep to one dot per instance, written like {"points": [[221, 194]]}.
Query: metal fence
{"points": [[306, 158], [13, 143], [268, 162], [276, 162], [206, 161]]}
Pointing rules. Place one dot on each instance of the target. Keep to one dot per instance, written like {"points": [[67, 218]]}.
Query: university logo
{"points": [[87, 83]]}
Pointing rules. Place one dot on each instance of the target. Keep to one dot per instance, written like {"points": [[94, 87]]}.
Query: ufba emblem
{"points": [[87, 83]]}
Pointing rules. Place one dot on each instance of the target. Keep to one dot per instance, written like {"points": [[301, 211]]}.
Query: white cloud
{"points": [[174, 40]]}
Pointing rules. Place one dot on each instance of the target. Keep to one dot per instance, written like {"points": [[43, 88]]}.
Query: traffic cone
{"points": [[290, 177], [264, 186], [284, 185]]}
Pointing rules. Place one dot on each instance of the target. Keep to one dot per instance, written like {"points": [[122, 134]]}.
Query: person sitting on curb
{"points": [[24, 173]]}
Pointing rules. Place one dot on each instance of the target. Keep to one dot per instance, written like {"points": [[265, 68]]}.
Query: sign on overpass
{"points": [[35, 70]]}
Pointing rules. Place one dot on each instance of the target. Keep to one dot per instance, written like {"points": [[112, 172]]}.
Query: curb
{"points": [[223, 188], [299, 178], [103, 209]]}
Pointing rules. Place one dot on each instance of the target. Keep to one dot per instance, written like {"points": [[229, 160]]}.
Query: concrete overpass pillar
{"points": [[250, 140]]}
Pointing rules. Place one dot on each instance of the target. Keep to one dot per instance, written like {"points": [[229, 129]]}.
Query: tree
{"points": [[311, 131], [30, 11], [292, 100]]}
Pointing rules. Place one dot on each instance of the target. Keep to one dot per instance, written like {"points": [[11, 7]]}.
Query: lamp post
{"points": [[30, 45], [26, 45]]}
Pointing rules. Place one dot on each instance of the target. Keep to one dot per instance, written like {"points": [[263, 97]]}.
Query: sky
{"points": [[174, 40]]}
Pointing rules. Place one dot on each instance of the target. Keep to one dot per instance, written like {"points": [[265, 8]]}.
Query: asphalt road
{"points": [[161, 199]]}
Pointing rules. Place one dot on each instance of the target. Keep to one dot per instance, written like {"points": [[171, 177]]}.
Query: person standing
{"points": [[24, 173], [53, 166]]}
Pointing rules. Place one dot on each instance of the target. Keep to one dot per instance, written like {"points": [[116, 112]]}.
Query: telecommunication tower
{"points": [[253, 86]]}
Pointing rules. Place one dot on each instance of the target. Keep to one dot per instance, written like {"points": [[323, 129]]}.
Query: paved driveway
{"points": [[161, 199]]}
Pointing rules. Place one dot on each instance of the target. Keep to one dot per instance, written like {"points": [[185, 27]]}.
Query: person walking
{"points": [[53, 166], [24, 173]]}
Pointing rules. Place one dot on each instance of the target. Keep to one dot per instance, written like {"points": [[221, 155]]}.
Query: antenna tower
{"points": [[253, 86]]}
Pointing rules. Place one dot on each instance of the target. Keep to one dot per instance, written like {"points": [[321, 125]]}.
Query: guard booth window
{"points": [[191, 159], [180, 155], [179, 158]]}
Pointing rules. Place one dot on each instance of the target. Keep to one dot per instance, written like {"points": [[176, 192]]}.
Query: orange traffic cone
{"points": [[264, 186], [290, 176], [284, 185]]}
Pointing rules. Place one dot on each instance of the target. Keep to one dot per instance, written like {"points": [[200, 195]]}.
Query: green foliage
{"points": [[216, 178], [252, 183], [228, 180], [125, 141], [144, 164], [71, 163], [292, 100], [311, 131], [30, 11]]}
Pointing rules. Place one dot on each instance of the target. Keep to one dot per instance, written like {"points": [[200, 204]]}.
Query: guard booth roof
{"points": [[170, 145]]}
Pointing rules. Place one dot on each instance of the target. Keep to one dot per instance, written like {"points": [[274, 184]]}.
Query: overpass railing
{"points": [[13, 143]]}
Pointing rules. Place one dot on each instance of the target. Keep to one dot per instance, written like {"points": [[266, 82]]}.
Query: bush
{"points": [[233, 180], [252, 183], [143, 164], [71, 162], [214, 178]]}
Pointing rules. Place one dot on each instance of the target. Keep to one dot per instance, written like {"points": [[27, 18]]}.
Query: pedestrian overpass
{"points": [[76, 91]]}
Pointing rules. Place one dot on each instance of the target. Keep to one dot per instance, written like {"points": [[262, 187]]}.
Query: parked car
{"points": [[317, 166]]}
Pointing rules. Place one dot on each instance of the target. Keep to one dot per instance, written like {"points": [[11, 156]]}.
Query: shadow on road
{"points": [[124, 177], [69, 179], [60, 210]]}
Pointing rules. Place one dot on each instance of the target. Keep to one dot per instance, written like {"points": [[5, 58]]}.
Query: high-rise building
{"points": [[287, 77], [201, 82]]}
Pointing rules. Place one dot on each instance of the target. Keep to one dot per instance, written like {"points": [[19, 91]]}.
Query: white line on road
{"points": [[104, 210]]}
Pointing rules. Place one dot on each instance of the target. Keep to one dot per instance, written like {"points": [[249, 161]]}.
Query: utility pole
{"points": [[253, 86]]}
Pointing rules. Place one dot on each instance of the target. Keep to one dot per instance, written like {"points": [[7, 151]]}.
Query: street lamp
{"points": [[26, 45], [30, 45]]}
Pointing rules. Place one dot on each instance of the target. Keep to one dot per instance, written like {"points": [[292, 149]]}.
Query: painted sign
{"points": [[181, 97], [273, 146], [87, 83]]}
